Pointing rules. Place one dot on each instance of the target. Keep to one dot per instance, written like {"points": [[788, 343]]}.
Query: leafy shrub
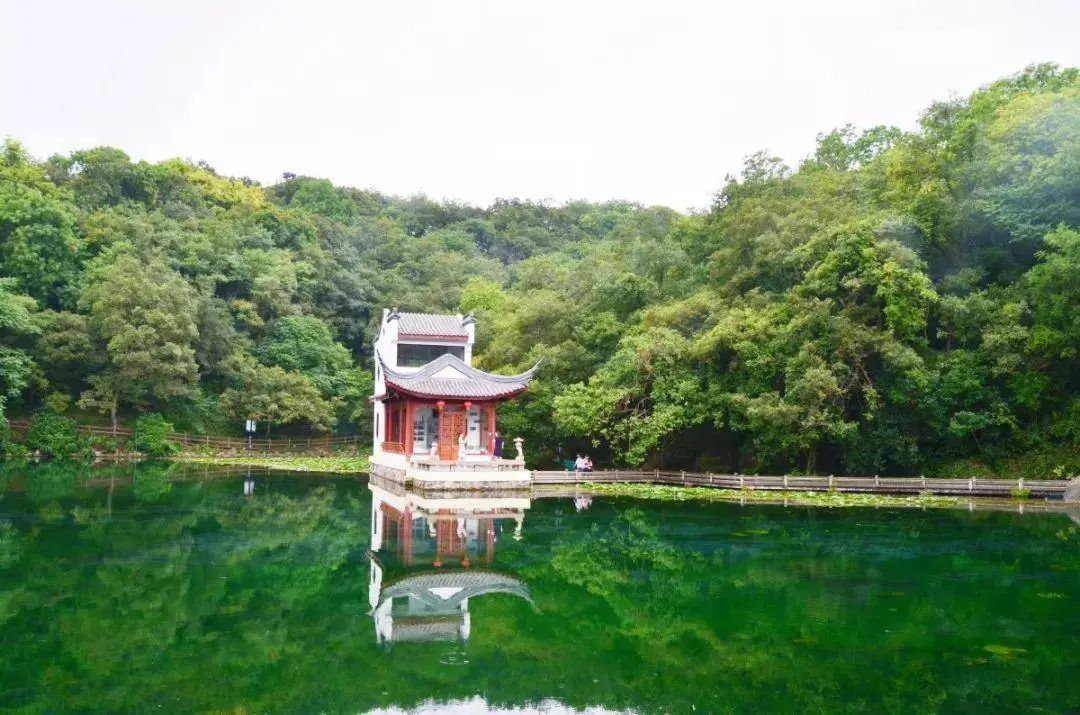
{"points": [[55, 436], [150, 436], [15, 452], [57, 402], [9, 449], [104, 443]]}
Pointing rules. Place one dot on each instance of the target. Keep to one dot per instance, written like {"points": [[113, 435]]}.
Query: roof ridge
{"points": [[454, 361], [475, 384], [441, 315]]}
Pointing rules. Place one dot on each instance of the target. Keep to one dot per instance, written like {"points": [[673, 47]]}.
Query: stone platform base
{"points": [[472, 478]]}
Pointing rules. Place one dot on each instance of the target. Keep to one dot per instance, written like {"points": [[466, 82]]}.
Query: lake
{"points": [[151, 588]]}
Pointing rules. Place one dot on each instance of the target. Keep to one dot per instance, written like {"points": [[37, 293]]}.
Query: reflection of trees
{"points": [[151, 482], [55, 479], [197, 598], [821, 611]]}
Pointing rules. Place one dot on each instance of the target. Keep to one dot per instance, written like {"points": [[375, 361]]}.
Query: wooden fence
{"points": [[1047, 488], [187, 439]]}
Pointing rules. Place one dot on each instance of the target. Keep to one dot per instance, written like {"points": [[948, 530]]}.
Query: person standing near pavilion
{"points": [[498, 449]]}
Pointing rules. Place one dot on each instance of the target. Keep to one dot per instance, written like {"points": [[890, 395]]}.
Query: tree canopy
{"points": [[899, 301]]}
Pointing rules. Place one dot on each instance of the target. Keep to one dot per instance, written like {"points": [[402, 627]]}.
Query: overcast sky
{"points": [[653, 102]]}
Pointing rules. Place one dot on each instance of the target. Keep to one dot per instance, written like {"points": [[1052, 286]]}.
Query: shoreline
{"points": [[793, 497], [328, 465], [359, 466], [828, 500]]}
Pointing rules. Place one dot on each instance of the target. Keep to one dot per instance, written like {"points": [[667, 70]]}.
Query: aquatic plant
{"points": [[826, 499]]}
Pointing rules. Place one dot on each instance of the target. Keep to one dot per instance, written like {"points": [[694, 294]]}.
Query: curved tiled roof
{"points": [[463, 584], [450, 376], [431, 325]]}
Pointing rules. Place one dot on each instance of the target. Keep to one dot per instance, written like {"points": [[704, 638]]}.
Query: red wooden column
{"points": [[388, 428], [465, 428], [407, 538], [440, 407], [407, 442], [444, 537], [491, 429]]}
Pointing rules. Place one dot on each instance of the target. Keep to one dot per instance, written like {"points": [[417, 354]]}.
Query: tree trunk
{"points": [[268, 429], [115, 406]]}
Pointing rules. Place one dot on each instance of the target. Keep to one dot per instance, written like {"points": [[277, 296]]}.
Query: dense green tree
{"points": [[898, 301], [66, 350], [143, 316], [16, 322], [1055, 296], [38, 243], [304, 344], [272, 395]]}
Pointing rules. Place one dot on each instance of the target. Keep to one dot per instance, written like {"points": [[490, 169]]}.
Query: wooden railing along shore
{"points": [[187, 439], [1038, 488]]}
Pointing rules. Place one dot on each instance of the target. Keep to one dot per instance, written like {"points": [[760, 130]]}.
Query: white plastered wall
{"points": [[386, 348]]}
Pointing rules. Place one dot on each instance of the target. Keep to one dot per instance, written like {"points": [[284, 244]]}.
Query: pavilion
{"points": [[435, 415], [430, 556]]}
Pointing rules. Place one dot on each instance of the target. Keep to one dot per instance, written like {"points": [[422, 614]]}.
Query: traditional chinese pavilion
{"points": [[435, 415], [431, 556]]}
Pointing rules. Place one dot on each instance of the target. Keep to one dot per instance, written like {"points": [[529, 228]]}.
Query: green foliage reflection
{"points": [[152, 586]]}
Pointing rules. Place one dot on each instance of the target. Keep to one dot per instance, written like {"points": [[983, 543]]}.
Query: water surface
{"points": [[180, 593]]}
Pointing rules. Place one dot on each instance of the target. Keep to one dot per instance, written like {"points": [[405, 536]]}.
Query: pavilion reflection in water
{"points": [[430, 555]]}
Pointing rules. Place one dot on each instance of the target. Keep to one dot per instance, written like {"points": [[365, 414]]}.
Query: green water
{"points": [[167, 592]]}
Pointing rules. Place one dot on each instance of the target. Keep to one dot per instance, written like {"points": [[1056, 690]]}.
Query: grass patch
{"points": [[824, 499], [332, 465]]}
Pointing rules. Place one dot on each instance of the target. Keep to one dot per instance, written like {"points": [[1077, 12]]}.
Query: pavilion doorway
{"points": [[451, 424]]}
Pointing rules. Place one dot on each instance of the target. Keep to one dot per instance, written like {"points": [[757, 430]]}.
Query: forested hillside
{"points": [[899, 302]]}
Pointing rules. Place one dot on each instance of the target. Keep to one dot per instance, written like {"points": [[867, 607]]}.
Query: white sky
{"points": [[652, 102]]}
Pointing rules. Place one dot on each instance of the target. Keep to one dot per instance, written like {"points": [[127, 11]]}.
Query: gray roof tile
{"points": [[431, 325], [473, 383]]}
